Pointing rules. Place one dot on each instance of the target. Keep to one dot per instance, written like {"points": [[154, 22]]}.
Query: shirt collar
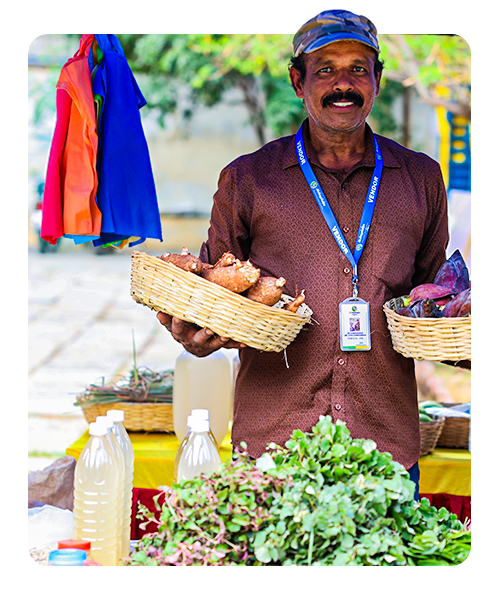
{"points": [[290, 155]]}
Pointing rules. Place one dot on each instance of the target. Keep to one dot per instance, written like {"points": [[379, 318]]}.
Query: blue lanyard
{"points": [[326, 211]]}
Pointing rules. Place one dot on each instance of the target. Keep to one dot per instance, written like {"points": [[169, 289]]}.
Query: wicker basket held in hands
{"points": [[445, 338], [166, 288]]}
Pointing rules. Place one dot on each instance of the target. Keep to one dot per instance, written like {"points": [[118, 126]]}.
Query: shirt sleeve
{"points": [[229, 229], [432, 251]]}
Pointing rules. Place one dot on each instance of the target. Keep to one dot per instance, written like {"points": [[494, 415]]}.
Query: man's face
{"points": [[339, 87]]}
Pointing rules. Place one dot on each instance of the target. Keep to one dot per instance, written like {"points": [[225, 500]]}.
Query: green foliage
{"points": [[181, 72], [382, 111], [210, 64], [324, 499]]}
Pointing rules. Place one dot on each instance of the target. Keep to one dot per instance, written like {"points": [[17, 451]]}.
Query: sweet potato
{"points": [[294, 305], [184, 260], [267, 290], [226, 260], [237, 277]]}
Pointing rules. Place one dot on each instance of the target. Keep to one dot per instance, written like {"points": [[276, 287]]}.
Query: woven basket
{"points": [[166, 288], [429, 434], [139, 416], [455, 432], [445, 338]]}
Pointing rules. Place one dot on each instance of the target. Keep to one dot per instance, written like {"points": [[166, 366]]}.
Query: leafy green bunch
{"points": [[324, 499], [210, 520], [349, 504]]}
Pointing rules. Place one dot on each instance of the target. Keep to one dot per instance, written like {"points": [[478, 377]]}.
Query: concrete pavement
{"points": [[81, 324]]}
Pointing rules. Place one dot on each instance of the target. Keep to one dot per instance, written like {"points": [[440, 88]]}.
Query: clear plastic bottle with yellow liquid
{"points": [[96, 496], [199, 453], [117, 449], [118, 418]]}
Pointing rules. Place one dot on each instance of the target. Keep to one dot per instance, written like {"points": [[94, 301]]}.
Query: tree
{"points": [[209, 65], [438, 67]]}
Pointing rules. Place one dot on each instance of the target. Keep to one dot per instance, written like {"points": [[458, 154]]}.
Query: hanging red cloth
{"points": [[69, 206]]}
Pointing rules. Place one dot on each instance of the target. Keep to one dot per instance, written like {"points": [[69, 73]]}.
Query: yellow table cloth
{"points": [[154, 456], [445, 471]]}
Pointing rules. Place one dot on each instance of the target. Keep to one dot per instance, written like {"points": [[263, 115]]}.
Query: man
{"points": [[267, 210]]}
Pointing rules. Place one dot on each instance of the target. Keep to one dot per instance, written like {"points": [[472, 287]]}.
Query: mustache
{"points": [[343, 97]]}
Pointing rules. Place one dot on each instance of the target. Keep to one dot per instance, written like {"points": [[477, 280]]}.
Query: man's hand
{"points": [[200, 342]]}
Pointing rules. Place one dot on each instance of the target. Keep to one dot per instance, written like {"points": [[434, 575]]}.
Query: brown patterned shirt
{"points": [[264, 211]]}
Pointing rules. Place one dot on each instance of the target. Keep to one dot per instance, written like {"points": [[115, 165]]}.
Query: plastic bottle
{"points": [[118, 418], [95, 509], [115, 444], [197, 413], [202, 383], [204, 415], [199, 454], [67, 557]]}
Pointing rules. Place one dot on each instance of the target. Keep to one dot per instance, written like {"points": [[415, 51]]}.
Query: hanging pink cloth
{"points": [[69, 206]]}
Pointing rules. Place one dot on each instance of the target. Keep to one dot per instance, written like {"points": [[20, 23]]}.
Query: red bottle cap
{"points": [[81, 544]]}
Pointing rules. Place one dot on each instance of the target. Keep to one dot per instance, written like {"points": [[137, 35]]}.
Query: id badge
{"points": [[354, 325]]}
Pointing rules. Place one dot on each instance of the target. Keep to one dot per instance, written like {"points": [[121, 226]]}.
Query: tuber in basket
{"points": [[164, 287]]}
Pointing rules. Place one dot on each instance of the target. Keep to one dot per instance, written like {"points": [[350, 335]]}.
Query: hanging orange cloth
{"points": [[69, 206]]}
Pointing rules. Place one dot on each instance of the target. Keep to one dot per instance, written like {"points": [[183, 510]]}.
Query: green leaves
{"points": [[325, 499]]}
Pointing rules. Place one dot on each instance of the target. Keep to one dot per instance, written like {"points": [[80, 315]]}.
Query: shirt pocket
{"points": [[394, 251]]}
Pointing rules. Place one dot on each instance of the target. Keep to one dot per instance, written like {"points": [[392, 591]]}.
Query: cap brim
{"points": [[336, 37]]}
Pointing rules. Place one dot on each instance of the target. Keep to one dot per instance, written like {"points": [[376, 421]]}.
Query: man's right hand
{"points": [[200, 342]]}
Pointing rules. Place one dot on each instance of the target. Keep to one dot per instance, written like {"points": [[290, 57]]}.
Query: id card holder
{"points": [[354, 316]]}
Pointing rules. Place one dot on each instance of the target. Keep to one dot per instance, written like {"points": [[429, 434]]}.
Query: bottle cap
{"points": [[200, 426], [200, 413], [98, 428], [118, 416], [106, 421], [67, 557], [76, 543]]}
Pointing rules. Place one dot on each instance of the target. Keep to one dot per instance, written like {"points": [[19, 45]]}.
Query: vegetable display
{"points": [[449, 295], [323, 499], [239, 277]]}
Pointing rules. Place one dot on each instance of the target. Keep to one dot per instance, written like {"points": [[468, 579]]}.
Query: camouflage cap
{"points": [[334, 26]]}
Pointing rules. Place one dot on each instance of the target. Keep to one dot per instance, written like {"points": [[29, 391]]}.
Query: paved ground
{"points": [[81, 324]]}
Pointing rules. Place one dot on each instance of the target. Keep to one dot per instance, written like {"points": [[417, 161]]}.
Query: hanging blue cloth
{"points": [[126, 194]]}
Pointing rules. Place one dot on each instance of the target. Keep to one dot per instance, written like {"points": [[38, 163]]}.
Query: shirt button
{"points": [[347, 270], [341, 361], [345, 229], [337, 407]]}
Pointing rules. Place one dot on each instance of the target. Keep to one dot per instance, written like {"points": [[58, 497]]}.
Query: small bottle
{"points": [[118, 417], [67, 557], [204, 415], [199, 454], [95, 507], [197, 413], [117, 449]]}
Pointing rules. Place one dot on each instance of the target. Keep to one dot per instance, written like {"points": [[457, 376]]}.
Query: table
{"points": [[154, 456], [445, 475], [445, 479]]}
